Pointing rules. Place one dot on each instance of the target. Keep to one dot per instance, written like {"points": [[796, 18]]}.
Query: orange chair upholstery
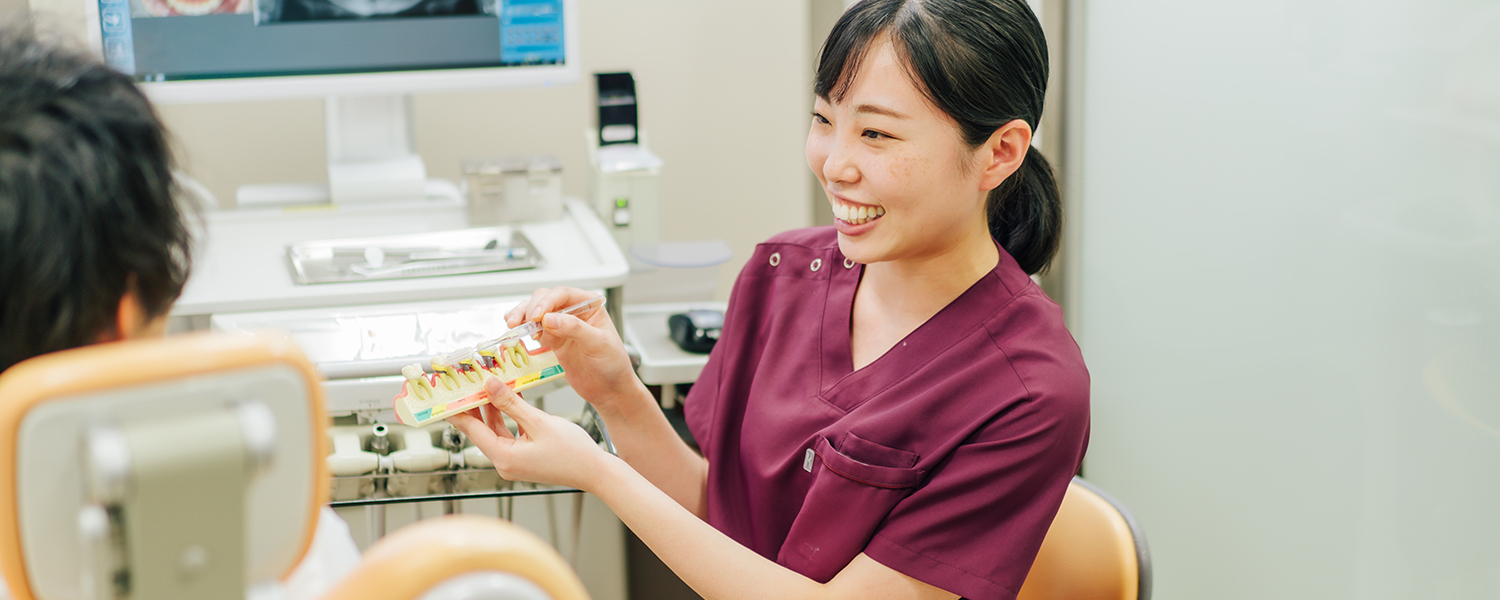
{"points": [[417, 558], [1094, 550]]}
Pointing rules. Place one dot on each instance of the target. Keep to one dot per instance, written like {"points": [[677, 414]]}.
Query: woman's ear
{"points": [[1003, 153]]}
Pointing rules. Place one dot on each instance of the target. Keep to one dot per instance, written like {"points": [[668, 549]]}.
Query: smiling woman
{"points": [[980, 95], [883, 147], [893, 407]]}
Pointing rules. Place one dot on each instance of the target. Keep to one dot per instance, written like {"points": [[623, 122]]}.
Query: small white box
{"points": [[513, 190]]}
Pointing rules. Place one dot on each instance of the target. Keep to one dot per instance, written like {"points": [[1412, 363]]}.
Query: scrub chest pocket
{"points": [[856, 483]]}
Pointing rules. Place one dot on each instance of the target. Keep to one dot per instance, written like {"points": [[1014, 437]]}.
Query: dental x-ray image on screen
{"points": [[282, 11], [187, 8]]}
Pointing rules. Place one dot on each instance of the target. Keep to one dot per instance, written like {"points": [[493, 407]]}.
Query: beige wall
{"points": [[724, 89], [11, 8]]}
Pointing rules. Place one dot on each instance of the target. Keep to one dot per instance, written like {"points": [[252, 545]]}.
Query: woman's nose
{"points": [[839, 166]]}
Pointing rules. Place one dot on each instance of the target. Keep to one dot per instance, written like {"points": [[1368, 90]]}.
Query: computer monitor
{"points": [[365, 56]]}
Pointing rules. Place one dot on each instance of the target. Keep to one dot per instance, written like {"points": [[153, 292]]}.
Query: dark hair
{"points": [[87, 202], [983, 63]]}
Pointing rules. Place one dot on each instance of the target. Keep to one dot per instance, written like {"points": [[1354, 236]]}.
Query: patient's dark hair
{"points": [[87, 209], [983, 63]]}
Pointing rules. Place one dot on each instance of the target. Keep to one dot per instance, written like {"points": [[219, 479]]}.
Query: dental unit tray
{"points": [[430, 254]]}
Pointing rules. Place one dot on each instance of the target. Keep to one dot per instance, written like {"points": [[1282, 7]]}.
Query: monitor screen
{"points": [[330, 47]]}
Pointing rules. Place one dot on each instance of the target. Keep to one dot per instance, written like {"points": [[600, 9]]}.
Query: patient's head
{"points": [[93, 246]]}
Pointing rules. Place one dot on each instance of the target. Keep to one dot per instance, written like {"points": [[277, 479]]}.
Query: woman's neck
{"points": [[920, 287], [896, 297]]}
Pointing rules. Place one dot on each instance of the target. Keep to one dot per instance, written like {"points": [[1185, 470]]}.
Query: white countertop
{"points": [[662, 362]]}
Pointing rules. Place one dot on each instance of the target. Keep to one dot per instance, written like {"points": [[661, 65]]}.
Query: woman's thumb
{"points": [[508, 402]]}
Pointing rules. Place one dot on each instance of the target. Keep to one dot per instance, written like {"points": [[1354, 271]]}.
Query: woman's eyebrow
{"points": [[879, 110]]}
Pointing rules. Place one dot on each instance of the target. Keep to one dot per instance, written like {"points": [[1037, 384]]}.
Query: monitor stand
{"points": [[371, 158]]}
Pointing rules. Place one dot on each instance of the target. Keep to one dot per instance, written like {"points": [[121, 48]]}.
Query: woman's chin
{"points": [[856, 249]]}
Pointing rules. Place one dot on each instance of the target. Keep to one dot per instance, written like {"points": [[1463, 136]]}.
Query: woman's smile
{"points": [[856, 214]]}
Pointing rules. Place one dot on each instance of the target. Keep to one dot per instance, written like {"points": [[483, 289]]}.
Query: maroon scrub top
{"points": [[945, 459]]}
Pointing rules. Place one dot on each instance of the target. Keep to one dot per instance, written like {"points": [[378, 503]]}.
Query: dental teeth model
{"points": [[457, 382]]}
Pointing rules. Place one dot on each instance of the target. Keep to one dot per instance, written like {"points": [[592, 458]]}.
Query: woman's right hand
{"points": [[587, 345]]}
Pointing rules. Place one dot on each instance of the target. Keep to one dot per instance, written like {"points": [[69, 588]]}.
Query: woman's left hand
{"points": [[547, 448]]}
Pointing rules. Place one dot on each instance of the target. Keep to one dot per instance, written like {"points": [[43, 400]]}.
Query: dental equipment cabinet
{"points": [[359, 333]]}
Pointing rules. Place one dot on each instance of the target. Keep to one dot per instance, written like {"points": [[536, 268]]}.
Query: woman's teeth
{"points": [[857, 215]]}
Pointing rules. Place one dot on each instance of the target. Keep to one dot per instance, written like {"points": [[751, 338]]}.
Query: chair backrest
{"points": [[185, 467], [460, 557], [1094, 550]]}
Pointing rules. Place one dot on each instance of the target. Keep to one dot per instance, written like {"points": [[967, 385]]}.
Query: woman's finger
{"points": [[522, 312], [503, 399], [494, 420], [554, 300], [542, 302], [490, 444]]}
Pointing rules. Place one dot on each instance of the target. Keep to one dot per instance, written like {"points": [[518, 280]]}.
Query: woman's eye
{"points": [[817, 118], [874, 135]]}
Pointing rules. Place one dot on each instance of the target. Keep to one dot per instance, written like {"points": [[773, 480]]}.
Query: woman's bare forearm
{"points": [[714, 565], [719, 568], [646, 440]]}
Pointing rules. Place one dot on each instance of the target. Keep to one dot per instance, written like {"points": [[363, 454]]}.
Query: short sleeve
{"points": [[975, 526], [702, 398]]}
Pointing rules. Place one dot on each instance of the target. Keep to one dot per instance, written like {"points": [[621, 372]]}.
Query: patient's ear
{"points": [[132, 321]]}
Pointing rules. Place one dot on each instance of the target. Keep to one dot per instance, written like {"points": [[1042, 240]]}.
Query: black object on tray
{"points": [[696, 330]]}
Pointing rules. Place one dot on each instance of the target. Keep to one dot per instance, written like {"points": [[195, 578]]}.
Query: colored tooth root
{"points": [[417, 381]]}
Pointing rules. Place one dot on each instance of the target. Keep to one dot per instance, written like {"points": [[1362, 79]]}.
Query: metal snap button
{"points": [[817, 263], [775, 258], [848, 263]]}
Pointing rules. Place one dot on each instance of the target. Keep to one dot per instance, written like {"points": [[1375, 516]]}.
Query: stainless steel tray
{"points": [[431, 254]]}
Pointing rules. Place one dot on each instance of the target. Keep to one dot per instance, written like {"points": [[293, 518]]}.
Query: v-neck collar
{"points": [[841, 385]]}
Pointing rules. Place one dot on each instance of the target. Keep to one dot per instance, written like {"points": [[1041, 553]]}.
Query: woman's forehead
{"points": [[881, 80]]}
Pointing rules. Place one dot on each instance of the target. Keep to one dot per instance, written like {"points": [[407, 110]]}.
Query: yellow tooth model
{"points": [[457, 384]]}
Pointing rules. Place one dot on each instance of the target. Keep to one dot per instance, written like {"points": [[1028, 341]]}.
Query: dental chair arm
{"points": [[420, 557]]}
